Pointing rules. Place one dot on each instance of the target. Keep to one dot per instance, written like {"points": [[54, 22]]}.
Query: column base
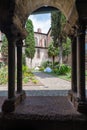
{"points": [[80, 106], [9, 105]]}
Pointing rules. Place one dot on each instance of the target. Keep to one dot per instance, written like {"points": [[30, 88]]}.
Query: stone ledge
{"points": [[79, 105], [9, 105]]}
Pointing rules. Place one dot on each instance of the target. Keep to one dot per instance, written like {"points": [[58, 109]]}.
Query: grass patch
{"points": [[65, 77]]}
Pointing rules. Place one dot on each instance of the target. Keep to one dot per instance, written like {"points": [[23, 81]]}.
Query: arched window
{"points": [[45, 43], [38, 53]]}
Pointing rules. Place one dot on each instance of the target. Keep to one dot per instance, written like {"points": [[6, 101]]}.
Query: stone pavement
{"points": [[51, 86]]}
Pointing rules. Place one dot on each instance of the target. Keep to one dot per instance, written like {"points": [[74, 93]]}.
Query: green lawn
{"points": [[65, 77]]}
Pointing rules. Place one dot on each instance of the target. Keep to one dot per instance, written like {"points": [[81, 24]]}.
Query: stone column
{"points": [[9, 104], [14, 99], [11, 69], [74, 65], [81, 62], [19, 66]]}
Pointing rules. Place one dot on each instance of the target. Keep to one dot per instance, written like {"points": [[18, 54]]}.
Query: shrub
{"points": [[56, 63], [26, 79], [3, 75], [46, 64], [25, 68], [68, 75], [62, 69], [28, 75], [41, 68], [35, 81]]}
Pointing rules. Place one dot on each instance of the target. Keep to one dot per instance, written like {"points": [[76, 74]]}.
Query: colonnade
{"points": [[15, 96], [77, 93]]}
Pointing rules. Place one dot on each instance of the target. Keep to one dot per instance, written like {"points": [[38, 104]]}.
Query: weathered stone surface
{"points": [[28, 6], [10, 105], [14, 13]]}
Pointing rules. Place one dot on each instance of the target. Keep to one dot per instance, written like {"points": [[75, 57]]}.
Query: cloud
{"points": [[42, 21]]}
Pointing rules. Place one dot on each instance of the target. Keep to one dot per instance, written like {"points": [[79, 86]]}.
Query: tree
{"points": [[30, 41], [4, 49], [58, 21], [67, 47], [23, 59], [52, 52], [55, 26]]}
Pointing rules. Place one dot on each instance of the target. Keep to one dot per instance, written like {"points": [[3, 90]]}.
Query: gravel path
{"points": [[50, 86], [52, 83]]}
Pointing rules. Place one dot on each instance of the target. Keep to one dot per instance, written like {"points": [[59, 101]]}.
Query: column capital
{"points": [[19, 43], [82, 25], [81, 30]]}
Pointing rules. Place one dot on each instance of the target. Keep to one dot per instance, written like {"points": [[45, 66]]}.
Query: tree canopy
{"points": [[58, 21], [67, 47], [55, 26], [30, 41], [52, 51]]}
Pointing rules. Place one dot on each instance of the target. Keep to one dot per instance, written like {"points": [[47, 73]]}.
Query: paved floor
{"points": [[51, 86], [35, 107], [43, 113]]}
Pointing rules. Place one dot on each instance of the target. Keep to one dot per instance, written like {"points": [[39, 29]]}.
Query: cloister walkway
{"points": [[46, 105]]}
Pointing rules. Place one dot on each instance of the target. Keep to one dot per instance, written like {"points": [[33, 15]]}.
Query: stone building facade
{"points": [[42, 42]]}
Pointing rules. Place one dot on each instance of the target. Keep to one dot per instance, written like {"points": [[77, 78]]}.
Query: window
{"points": [[36, 41], [45, 44], [38, 53]]}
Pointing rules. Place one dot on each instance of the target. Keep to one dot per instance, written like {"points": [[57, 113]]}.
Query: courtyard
{"points": [[48, 85]]}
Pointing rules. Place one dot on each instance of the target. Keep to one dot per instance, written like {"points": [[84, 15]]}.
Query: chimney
{"points": [[39, 30]]}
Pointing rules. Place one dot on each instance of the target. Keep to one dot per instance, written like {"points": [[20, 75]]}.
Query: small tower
{"points": [[39, 30]]}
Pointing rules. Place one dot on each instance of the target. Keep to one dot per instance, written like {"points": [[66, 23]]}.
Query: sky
{"points": [[42, 21]]}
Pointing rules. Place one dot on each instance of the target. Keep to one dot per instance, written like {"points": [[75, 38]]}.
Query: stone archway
{"points": [[15, 14], [68, 7], [23, 10]]}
